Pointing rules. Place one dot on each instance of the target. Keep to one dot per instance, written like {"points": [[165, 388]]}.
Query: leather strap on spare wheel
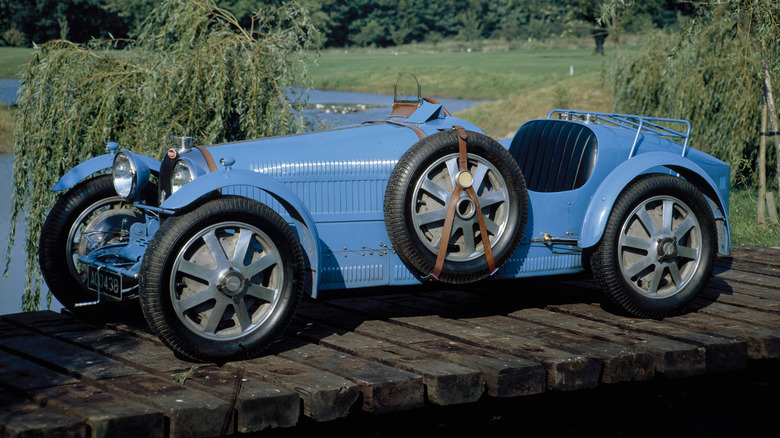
{"points": [[460, 185]]}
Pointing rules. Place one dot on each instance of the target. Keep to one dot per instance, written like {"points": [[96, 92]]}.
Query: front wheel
{"points": [[658, 248], [223, 281]]}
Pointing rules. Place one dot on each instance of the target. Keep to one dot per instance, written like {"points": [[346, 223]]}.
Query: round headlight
{"points": [[182, 174], [130, 175], [124, 175]]}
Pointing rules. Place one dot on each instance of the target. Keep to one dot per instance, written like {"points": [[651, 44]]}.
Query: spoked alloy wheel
{"points": [[223, 281], [433, 191], [226, 281], [420, 192], [658, 248]]}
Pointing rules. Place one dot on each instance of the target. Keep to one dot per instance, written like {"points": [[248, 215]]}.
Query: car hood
{"points": [[370, 148]]}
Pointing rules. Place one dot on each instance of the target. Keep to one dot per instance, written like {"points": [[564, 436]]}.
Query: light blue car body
{"points": [[330, 186]]}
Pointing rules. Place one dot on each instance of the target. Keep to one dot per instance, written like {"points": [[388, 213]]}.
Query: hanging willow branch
{"points": [[192, 71], [707, 78]]}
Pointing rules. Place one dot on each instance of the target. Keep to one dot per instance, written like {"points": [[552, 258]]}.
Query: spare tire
{"points": [[419, 193]]}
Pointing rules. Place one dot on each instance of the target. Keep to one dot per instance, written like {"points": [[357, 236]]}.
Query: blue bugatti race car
{"points": [[220, 243]]}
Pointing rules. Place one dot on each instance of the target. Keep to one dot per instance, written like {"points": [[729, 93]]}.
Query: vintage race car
{"points": [[220, 243]]}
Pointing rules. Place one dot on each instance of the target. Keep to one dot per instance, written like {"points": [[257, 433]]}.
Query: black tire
{"points": [[658, 248], [414, 214], [61, 242], [205, 298]]}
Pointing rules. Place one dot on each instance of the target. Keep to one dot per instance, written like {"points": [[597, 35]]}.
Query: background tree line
{"points": [[343, 23]]}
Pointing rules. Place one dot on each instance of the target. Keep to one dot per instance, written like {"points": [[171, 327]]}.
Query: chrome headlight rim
{"points": [[129, 175], [183, 171]]}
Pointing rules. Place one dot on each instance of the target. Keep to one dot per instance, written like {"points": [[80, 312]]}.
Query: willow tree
{"points": [[711, 74], [192, 71]]}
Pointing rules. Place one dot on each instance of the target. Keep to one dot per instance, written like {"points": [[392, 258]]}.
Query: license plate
{"points": [[104, 282]]}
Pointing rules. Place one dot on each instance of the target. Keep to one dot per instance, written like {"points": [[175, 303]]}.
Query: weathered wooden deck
{"points": [[379, 352]]}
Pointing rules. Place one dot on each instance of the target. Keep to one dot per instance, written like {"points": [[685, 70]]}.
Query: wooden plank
{"points": [[670, 357], [717, 287], [22, 375], [504, 375], [384, 389], [20, 418], [131, 350], [721, 353], [257, 404], [761, 280], [564, 370], [754, 265], [279, 407], [66, 358], [188, 411], [762, 342], [48, 322], [446, 383], [740, 299], [619, 363], [758, 254], [325, 396], [738, 313], [107, 415]]}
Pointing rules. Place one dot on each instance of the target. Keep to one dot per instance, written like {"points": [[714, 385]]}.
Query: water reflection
{"points": [[340, 108], [333, 108]]}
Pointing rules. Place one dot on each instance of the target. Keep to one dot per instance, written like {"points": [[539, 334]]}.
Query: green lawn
{"points": [[12, 60], [478, 75], [744, 228]]}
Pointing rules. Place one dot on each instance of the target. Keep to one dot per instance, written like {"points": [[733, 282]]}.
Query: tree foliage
{"points": [[192, 71], [710, 75], [342, 22]]}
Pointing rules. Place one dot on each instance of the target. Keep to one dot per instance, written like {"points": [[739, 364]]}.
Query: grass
{"points": [[489, 75], [744, 228], [12, 60], [501, 118]]}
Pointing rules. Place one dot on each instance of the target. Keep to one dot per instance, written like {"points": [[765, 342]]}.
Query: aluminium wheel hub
{"points": [[667, 248], [232, 283], [466, 208]]}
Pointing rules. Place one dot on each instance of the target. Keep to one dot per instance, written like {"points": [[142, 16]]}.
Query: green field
{"points": [[478, 75], [12, 60]]}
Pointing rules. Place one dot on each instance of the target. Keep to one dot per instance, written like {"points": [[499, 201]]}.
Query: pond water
{"points": [[334, 108], [8, 89]]}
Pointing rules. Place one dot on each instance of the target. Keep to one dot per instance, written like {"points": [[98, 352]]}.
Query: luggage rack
{"points": [[650, 125]]}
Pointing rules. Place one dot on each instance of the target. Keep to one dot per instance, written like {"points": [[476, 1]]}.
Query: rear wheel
{"points": [[222, 281], [658, 248]]}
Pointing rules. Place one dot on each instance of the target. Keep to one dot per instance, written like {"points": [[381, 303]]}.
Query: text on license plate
{"points": [[104, 282]]}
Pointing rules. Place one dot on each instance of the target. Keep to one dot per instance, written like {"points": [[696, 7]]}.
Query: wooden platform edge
{"points": [[380, 351]]}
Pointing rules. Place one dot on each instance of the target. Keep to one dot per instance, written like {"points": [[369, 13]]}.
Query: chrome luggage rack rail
{"points": [[650, 125]]}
